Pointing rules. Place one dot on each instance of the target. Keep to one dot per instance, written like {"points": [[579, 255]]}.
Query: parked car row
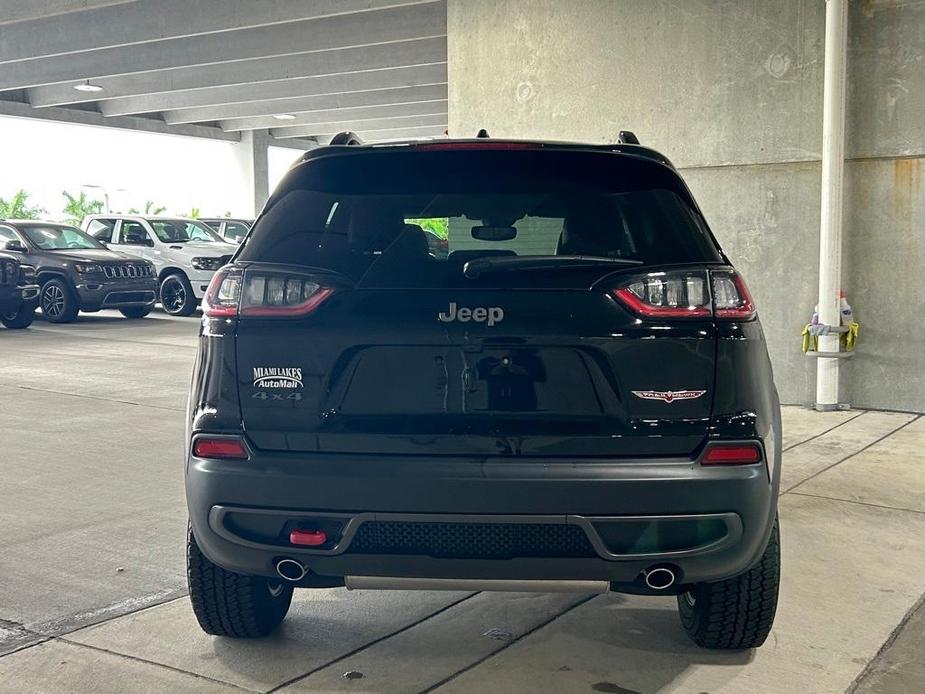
{"points": [[123, 262]]}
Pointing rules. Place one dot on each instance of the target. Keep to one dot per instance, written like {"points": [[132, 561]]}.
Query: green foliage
{"points": [[79, 206], [192, 214], [150, 209], [439, 226], [18, 207]]}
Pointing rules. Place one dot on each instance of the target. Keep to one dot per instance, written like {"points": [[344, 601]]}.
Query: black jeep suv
{"points": [[78, 273], [19, 294], [577, 396]]}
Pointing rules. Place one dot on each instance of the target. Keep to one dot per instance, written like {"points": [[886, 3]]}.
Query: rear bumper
{"points": [[708, 523]]}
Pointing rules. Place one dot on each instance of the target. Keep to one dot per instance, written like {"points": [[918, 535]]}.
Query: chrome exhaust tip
{"points": [[290, 570], [660, 578]]}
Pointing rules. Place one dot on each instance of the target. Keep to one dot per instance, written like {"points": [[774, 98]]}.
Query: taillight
{"points": [[731, 299], [685, 294], [224, 448], [262, 293], [224, 292], [667, 295], [731, 454]]}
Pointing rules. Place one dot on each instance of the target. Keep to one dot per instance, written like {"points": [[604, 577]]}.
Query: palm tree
{"points": [[150, 209], [17, 207], [79, 206]]}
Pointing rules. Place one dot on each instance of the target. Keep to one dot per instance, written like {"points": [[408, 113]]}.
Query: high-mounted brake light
{"points": [[262, 294], [220, 448], [731, 454], [487, 144]]}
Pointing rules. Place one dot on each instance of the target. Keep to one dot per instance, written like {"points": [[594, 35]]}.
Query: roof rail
{"points": [[346, 138], [482, 133], [627, 137]]}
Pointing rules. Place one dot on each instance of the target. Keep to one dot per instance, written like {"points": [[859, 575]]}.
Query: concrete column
{"points": [[833, 164], [251, 156]]}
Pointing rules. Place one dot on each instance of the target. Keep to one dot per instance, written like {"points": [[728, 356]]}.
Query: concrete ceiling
{"points": [[213, 68]]}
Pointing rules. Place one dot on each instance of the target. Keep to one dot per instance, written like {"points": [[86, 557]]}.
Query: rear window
{"points": [[414, 218]]}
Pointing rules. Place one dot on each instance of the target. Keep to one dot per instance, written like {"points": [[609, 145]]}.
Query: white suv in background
{"points": [[185, 252]]}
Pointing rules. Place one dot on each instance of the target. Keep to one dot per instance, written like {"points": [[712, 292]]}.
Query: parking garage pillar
{"points": [[251, 155], [833, 164]]}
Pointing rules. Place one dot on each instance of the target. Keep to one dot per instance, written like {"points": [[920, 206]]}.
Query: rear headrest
{"points": [[413, 240], [585, 233], [373, 228]]}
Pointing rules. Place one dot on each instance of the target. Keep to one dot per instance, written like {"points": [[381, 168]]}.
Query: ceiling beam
{"points": [[19, 109], [245, 72], [412, 76], [340, 31], [301, 104], [338, 115], [147, 21], [399, 123], [17, 11], [390, 134], [294, 143]]}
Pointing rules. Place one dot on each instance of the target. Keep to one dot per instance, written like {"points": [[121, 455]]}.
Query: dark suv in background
{"points": [[576, 396], [19, 294], [78, 273]]}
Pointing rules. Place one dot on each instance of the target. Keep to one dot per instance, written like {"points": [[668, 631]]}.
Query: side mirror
{"points": [[149, 243], [15, 246]]}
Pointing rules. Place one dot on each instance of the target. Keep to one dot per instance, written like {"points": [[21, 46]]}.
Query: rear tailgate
{"points": [[564, 373], [412, 353]]}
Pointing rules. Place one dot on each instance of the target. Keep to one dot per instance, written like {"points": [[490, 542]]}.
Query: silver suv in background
{"points": [[185, 252], [231, 229]]}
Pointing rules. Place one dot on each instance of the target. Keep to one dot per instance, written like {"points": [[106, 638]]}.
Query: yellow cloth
{"points": [[847, 340], [850, 338], [809, 340]]}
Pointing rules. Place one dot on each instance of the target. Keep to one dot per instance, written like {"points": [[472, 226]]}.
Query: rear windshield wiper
{"points": [[494, 264]]}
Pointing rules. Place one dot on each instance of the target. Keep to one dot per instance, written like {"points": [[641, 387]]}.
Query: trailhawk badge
{"points": [[277, 377], [668, 395]]}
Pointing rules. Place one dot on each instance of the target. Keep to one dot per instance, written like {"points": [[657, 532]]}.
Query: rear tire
{"points": [[177, 295], [738, 612], [18, 319], [59, 302], [136, 311], [232, 604]]}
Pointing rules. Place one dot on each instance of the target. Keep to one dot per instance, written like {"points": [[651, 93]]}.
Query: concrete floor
{"points": [[92, 589]]}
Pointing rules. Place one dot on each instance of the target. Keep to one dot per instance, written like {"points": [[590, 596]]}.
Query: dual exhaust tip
{"points": [[290, 570], [660, 577]]}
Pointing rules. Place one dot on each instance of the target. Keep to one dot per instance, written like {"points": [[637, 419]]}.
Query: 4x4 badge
{"points": [[668, 395]]}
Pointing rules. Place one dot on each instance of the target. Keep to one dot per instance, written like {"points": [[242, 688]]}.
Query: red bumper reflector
{"points": [[308, 538], [233, 449], [731, 454]]}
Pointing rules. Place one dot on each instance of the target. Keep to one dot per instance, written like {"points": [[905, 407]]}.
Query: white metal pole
{"points": [[833, 164]]}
